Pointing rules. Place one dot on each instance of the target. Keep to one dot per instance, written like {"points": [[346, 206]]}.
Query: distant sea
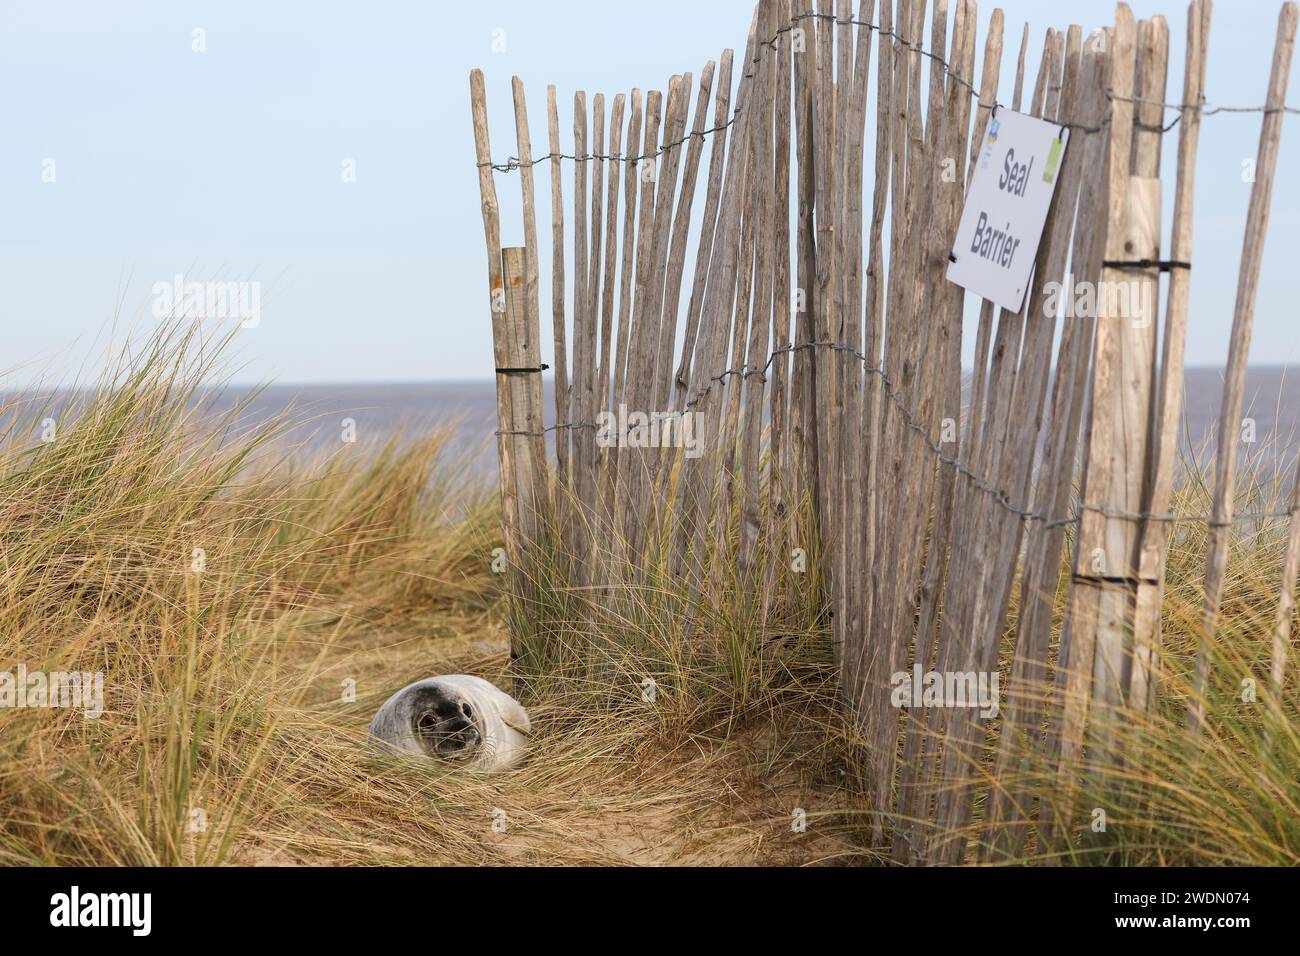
{"points": [[379, 412], [1272, 400]]}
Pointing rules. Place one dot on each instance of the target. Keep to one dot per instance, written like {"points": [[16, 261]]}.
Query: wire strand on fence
{"points": [[513, 163], [998, 496]]}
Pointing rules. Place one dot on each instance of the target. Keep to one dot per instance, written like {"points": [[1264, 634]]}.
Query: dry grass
{"points": [[228, 681], [227, 687]]}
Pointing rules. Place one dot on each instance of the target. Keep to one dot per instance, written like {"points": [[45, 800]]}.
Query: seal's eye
{"points": [[427, 724], [467, 711]]}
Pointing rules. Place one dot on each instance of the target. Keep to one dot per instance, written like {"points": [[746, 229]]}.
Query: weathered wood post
{"points": [[522, 373], [1153, 546], [512, 287], [1252, 257], [1104, 569]]}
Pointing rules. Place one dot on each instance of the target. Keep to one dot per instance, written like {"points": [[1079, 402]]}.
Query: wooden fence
{"points": [[816, 357]]}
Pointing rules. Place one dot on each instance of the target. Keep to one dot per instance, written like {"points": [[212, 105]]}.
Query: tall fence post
{"points": [[1243, 317], [519, 376], [497, 305], [1153, 546]]}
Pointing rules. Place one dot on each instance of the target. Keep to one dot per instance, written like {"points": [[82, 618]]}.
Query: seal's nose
{"points": [[458, 725]]}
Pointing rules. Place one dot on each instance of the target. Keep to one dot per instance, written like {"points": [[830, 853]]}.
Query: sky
{"points": [[324, 151]]}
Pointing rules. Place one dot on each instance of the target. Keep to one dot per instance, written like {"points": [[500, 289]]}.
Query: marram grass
{"points": [[250, 605]]}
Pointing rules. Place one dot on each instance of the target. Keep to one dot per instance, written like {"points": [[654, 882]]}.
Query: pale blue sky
{"points": [[226, 164]]}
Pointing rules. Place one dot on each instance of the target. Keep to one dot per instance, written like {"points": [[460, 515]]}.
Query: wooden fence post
{"points": [[856, 661], [522, 373], [500, 336], [560, 354], [752, 382], [1243, 318], [1124, 390], [1153, 543], [804, 424], [1102, 564], [780, 483]]}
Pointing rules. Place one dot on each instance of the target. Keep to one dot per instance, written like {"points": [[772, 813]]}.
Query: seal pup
{"points": [[458, 718]]}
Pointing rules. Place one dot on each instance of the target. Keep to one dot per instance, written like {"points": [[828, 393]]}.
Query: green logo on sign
{"points": [[1053, 160]]}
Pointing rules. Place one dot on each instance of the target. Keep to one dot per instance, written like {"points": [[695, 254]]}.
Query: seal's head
{"points": [[454, 718], [446, 725]]}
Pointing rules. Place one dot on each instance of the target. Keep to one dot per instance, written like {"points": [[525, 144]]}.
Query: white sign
{"points": [[1006, 207]]}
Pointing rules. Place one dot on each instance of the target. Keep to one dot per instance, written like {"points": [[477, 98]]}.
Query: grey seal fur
{"points": [[457, 718]]}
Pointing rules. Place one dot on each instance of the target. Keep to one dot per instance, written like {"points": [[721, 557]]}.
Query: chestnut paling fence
{"points": [[815, 359]]}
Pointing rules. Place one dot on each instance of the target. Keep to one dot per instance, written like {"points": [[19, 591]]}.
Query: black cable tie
{"points": [[522, 371], [1164, 265], [1121, 580]]}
